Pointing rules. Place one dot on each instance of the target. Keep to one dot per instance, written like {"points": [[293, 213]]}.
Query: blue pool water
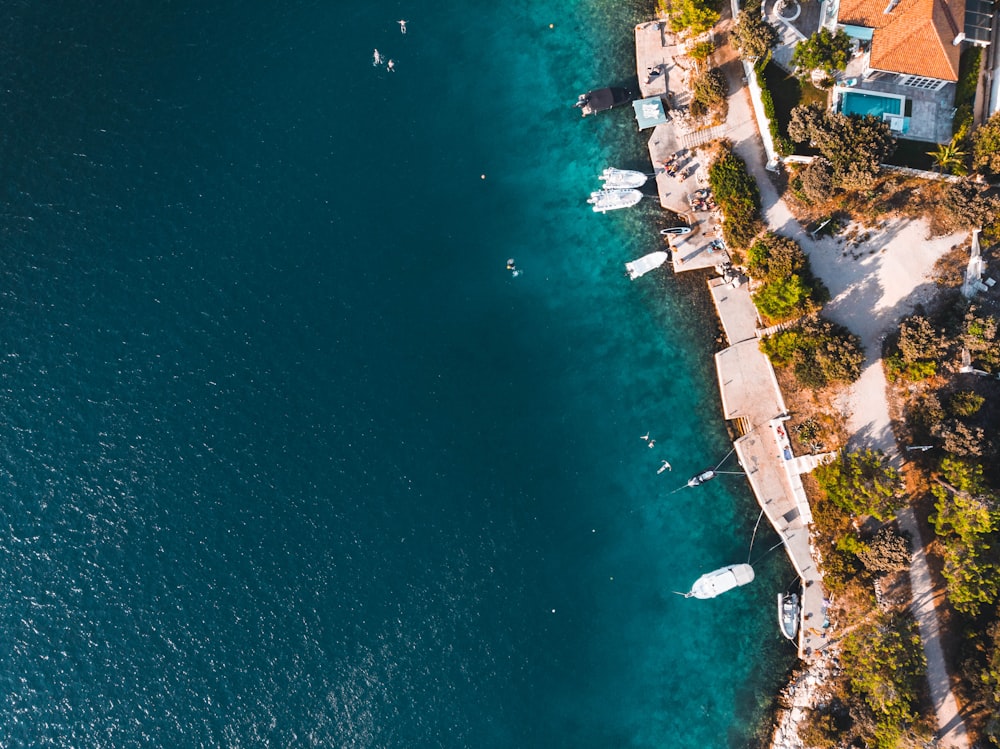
{"points": [[854, 102]]}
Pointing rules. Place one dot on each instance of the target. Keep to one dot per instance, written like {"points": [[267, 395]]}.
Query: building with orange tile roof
{"points": [[919, 38]]}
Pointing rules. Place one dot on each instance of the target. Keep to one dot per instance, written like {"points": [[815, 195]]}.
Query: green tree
{"points": [[855, 146], [817, 180], [862, 483], [710, 88], [738, 198], [823, 51], [889, 551], [693, 16], [752, 35], [979, 337], [701, 51], [986, 146], [966, 521], [884, 664], [949, 158], [967, 205]]}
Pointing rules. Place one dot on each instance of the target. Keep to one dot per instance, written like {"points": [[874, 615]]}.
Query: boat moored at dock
{"points": [[719, 581], [602, 99], [702, 477], [622, 178], [789, 610], [613, 199]]}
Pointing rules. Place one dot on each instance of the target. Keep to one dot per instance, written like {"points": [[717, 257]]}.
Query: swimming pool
{"points": [[855, 102]]}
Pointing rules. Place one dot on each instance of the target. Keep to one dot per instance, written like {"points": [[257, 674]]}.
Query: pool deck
{"points": [[930, 117]]}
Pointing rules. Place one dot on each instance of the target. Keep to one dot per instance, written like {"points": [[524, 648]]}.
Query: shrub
{"points": [[781, 144], [823, 51], [738, 198], [819, 352], [694, 16], [710, 88], [752, 35], [979, 337], [889, 551], [966, 403], [817, 180], [862, 483], [918, 342]]}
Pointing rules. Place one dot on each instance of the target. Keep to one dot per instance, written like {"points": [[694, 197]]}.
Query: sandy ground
{"points": [[873, 285]]}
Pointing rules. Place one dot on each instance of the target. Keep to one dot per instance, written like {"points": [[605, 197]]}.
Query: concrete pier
{"points": [[752, 398], [662, 72]]}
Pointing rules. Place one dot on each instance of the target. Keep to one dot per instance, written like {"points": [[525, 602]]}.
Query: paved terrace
{"points": [[662, 71], [751, 397]]}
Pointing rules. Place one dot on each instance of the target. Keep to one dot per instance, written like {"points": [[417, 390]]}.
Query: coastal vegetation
{"points": [[785, 286], [819, 352], [862, 483], [824, 51], [854, 146], [738, 197], [692, 16], [752, 35], [709, 93], [965, 94], [884, 665], [986, 147]]}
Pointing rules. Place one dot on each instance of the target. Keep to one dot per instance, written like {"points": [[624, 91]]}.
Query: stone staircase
{"points": [[698, 137]]}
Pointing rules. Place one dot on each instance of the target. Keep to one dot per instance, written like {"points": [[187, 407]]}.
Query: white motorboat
{"points": [[702, 477], [788, 614], [645, 264], [610, 200], [622, 178], [719, 581]]}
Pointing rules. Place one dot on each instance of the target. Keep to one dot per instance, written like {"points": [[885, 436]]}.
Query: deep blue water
{"points": [[288, 457]]}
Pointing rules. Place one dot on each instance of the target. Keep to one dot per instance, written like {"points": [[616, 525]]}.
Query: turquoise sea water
{"points": [[289, 458]]}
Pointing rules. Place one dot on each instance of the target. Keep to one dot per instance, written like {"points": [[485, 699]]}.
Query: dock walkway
{"points": [[750, 393], [752, 398]]}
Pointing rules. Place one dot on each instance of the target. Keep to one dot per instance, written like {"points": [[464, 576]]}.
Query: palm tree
{"points": [[948, 157]]}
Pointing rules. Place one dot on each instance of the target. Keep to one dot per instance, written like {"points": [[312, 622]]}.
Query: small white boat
{"points": [[716, 583], [622, 178], [645, 264], [788, 614], [611, 200], [702, 477]]}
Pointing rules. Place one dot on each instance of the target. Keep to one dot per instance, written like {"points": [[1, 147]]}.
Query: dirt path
{"points": [[872, 286]]}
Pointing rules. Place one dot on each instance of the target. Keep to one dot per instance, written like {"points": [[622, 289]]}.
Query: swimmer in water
{"points": [[665, 467], [390, 66], [378, 59], [402, 26]]}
